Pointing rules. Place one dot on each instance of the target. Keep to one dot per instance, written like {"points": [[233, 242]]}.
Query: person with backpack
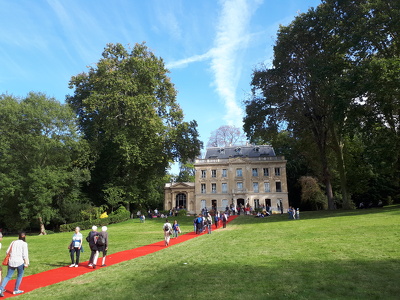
{"points": [[167, 228], [102, 246], [199, 224], [92, 240]]}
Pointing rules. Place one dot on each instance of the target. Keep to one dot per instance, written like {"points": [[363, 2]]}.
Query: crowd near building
{"points": [[247, 176]]}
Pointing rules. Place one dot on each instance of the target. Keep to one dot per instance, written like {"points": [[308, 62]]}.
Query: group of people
{"points": [[293, 214], [169, 230], [203, 222], [98, 242]]}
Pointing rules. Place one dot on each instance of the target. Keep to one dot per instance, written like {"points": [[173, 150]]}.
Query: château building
{"points": [[243, 175]]}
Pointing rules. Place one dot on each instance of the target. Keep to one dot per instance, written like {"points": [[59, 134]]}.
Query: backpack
{"points": [[166, 227], [101, 241]]}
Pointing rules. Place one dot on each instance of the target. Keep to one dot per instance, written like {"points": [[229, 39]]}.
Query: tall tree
{"points": [[42, 161], [127, 110], [335, 74], [225, 136]]}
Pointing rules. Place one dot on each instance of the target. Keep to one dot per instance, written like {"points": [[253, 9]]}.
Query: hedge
{"points": [[83, 225]]}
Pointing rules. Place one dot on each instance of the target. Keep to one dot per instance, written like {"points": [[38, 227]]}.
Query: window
{"points": [[203, 188], [203, 173], [277, 171], [224, 187], [224, 173], [239, 185], [266, 171], [203, 204], [224, 203], [255, 187], [267, 189], [278, 186], [181, 200], [255, 172], [213, 173], [239, 172], [213, 188]]}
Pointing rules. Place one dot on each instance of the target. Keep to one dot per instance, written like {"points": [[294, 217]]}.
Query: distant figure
{"points": [[175, 229], [142, 218], [19, 260], [209, 223], [167, 228], [297, 214], [199, 224], [216, 219], [75, 247], [224, 219]]}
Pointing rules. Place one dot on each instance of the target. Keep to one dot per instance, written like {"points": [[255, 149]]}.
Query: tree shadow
{"points": [[321, 214]]}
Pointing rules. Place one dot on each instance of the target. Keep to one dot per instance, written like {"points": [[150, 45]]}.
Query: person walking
{"points": [[19, 260], [176, 230], [209, 223], [102, 246], [76, 247], [92, 239], [224, 219], [216, 219], [167, 232]]}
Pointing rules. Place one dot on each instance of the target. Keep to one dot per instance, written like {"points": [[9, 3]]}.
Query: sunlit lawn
{"points": [[324, 255]]}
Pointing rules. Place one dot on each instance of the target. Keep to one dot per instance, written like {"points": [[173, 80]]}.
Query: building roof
{"points": [[240, 151]]}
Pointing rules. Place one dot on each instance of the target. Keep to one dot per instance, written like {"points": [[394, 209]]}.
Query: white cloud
{"points": [[230, 43]]}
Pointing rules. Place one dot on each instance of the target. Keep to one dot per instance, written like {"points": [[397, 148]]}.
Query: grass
{"points": [[325, 255]]}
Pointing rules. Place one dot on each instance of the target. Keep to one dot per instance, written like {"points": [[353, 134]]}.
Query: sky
{"points": [[210, 47]]}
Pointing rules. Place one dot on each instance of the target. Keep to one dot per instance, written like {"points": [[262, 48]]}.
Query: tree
{"points": [[127, 111], [311, 194], [334, 78], [225, 136], [42, 161], [186, 173], [299, 91]]}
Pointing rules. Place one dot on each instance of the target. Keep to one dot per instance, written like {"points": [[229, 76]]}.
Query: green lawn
{"points": [[325, 255]]}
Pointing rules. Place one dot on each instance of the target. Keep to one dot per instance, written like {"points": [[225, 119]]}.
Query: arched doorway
{"points": [[181, 200], [240, 202]]}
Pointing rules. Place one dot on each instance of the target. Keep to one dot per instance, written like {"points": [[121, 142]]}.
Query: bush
{"points": [[120, 215], [182, 213]]}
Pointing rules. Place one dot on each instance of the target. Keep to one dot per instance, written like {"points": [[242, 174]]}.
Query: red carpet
{"points": [[43, 279]]}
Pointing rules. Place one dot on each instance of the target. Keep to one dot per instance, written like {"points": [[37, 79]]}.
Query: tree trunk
{"points": [[42, 228], [338, 150]]}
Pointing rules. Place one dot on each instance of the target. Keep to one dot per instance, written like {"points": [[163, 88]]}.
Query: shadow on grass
{"points": [[58, 264], [321, 214], [289, 279]]}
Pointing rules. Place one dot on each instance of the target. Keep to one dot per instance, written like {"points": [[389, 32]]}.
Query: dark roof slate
{"points": [[240, 151]]}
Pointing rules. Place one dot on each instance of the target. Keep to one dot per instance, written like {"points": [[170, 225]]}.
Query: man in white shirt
{"points": [[167, 228]]}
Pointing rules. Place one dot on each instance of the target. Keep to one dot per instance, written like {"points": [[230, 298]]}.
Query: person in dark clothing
{"points": [[92, 239]]}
